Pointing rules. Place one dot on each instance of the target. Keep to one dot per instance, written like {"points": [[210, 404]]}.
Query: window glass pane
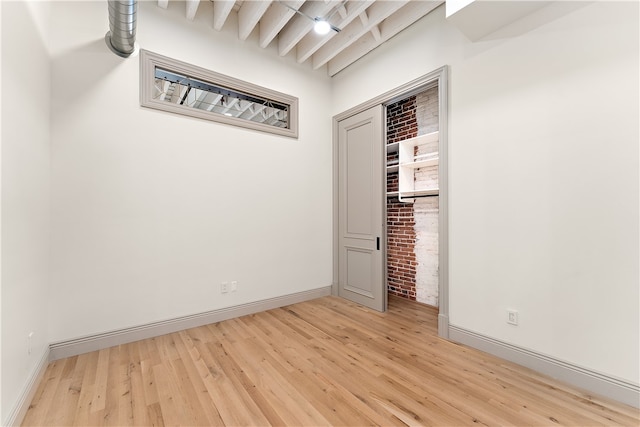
{"points": [[195, 93]]}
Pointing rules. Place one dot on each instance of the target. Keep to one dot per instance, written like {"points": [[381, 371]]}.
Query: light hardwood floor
{"points": [[322, 362]]}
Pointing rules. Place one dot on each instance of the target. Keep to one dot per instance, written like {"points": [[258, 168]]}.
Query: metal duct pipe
{"points": [[121, 37]]}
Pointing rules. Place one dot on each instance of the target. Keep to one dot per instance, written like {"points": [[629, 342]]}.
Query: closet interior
{"points": [[412, 196]]}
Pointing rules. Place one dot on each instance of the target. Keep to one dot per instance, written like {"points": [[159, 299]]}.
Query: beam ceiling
{"points": [[363, 25]]}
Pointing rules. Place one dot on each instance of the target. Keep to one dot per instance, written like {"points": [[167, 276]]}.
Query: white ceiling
{"points": [[364, 25]]}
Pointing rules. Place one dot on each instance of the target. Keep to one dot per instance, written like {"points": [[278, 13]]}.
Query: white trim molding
{"points": [[18, 412], [103, 340], [443, 326], [587, 379]]}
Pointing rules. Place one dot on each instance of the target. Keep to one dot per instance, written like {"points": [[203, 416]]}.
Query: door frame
{"points": [[437, 77]]}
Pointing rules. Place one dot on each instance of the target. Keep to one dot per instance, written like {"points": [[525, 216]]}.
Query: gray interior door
{"points": [[360, 200]]}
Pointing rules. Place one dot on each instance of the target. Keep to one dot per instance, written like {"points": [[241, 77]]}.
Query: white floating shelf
{"points": [[425, 192], [421, 163], [410, 161], [421, 139], [426, 156]]}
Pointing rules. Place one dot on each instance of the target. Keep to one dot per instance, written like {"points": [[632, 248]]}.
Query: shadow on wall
{"points": [[538, 18], [549, 13], [79, 70]]}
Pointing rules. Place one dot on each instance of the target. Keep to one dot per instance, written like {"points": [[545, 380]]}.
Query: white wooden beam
{"points": [[178, 93], [191, 8], [203, 97], [221, 10], [272, 119], [264, 115], [213, 102], [406, 16], [257, 108], [312, 41], [229, 105], [300, 25], [248, 16], [161, 86], [375, 32], [163, 3], [192, 97], [238, 108], [244, 106], [379, 11], [343, 11], [364, 19], [275, 19]]}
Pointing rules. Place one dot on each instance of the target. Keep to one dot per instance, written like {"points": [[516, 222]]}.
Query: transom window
{"points": [[170, 85]]}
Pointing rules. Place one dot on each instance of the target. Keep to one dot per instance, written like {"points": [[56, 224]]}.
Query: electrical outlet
{"points": [[234, 286], [224, 287], [29, 337], [512, 317]]}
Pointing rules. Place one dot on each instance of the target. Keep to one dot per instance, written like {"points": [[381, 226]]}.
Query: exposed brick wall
{"points": [[401, 238], [392, 181], [401, 258], [401, 120]]}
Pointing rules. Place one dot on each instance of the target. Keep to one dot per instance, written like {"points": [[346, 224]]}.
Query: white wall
{"points": [[543, 122], [1, 116], [151, 211], [25, 197]]}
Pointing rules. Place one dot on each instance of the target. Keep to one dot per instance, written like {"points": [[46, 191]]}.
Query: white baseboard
{"points": [[443, 326], [16, 416], [95, 342], [592, 381]]}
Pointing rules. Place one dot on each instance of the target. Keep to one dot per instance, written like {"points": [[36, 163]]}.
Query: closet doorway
{"points": [[415, 180], [412, 193]]}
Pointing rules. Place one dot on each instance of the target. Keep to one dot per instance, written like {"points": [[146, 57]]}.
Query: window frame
{"points": [[150, 60]]}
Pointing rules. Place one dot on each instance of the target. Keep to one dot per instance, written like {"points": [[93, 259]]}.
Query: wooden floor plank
{"points": [[42, 402], [114, 388], [322, 362], [192, 378]]}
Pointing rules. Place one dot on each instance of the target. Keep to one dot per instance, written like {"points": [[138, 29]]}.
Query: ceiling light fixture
{"points": [[321, 27]]}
